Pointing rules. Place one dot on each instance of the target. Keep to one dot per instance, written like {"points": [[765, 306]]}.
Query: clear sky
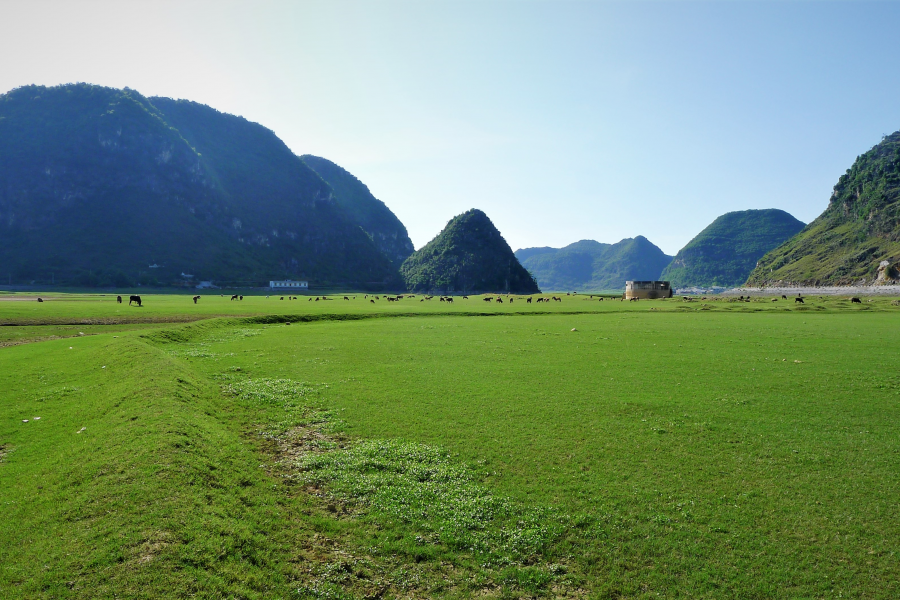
{"points": [[561, 120]]}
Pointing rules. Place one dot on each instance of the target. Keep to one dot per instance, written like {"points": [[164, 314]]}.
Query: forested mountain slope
{"points": [[106, 187], [373, 215]]}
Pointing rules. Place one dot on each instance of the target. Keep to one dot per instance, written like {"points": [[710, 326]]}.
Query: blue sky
{"points": [[561, 120]]}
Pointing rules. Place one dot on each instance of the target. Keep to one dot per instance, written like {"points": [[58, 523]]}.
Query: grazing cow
{"points": [[281, 298], [240, 297], [136, 299], [511, 299], [442, 299], [346, 298], [234, 297], [195, 298], [528, 301], [499, 300], [119, 299], [798, 299], [372, 301], [40, 299], [465, 297], [855, 301], [450, 300], [783, 297], [488, 299]]}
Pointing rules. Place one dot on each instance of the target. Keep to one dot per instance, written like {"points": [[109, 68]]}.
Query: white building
{"points": [[303, 285]]}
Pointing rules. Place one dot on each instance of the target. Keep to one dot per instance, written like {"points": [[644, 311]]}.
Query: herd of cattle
{"points": [[136, 300]]}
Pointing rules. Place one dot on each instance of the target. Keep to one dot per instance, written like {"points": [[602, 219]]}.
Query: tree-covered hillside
{"points": [[859, 229], [106, 187], [469, 255], [593, 266], [373, 215], [726, 251]]}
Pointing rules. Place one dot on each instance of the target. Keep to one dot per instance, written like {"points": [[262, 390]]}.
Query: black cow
{"points": [[40, 299], [234, 297], [136, 299], [855, 301], [798, 299], [119, 299], [195, 298]]}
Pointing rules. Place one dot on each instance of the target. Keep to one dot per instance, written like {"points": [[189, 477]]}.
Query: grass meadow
{"points": [[353, 449]]}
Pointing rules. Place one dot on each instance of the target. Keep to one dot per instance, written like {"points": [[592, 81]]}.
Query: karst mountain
{"points": [[727, 250], [468, 256]]}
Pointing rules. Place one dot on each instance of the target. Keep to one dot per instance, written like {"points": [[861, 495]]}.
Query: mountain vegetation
{"points": [[469, 255], [723, 254], [594, 266], [858, 232], [100, 186], [373, 215]]}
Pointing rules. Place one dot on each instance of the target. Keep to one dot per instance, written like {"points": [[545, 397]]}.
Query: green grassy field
{"points": [[348, 449]]}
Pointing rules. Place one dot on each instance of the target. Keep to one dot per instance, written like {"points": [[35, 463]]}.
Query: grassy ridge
{"points": [[158, 496]]}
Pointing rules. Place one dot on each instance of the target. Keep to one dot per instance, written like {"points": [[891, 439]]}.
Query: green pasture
{"points": [[345, 449]]}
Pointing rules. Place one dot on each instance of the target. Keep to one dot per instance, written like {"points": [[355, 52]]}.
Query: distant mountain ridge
{"points": [[588, 265], [856, 239], [727, 250], [469, 255], [97, 184]]}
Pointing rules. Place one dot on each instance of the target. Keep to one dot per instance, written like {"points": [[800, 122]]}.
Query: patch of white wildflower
{"points": [[424, 488]]}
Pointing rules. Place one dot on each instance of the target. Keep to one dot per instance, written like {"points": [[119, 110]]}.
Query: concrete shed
{"points": [[647, 290]]}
